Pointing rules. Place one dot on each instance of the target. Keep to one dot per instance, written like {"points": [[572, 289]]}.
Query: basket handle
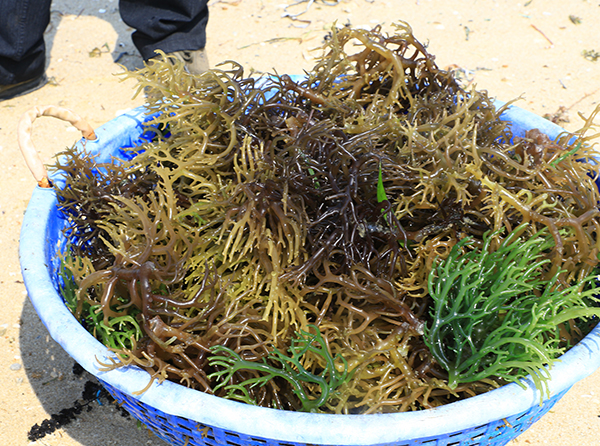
{"points": [[32, 158]]}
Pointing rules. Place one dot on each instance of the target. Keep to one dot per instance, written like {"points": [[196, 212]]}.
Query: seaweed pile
{"points": [[297, 244]]}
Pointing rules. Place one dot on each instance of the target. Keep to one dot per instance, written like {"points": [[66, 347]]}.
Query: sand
{"points": [[530, 49]]}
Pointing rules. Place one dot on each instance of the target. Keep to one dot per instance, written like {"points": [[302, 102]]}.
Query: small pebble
{"points": [[3, 329], [16, 366]]}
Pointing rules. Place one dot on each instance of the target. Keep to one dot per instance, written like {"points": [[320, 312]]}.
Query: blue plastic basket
{"points": [[182, 416]]}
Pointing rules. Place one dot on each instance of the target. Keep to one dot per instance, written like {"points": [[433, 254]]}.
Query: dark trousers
{"points": [[168, 25]]}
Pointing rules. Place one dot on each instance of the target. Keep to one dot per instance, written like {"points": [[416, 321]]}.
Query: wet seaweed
{"points": [[516, 330], [271, 205], [278, 365]]}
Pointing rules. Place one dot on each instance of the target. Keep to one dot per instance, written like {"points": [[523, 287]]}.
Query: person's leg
{"points": [[22, 47], [174, 26]]}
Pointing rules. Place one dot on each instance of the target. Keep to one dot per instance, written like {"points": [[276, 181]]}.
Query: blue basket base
{"points": [[180, 431]]}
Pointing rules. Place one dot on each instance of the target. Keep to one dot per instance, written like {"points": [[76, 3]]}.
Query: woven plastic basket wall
{"points": [[182, 416]]}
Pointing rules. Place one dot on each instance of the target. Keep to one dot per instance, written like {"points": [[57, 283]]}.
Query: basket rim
{"points": [[177, 400]]}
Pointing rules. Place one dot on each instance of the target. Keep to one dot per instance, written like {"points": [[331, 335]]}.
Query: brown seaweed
{"points": [[263, 217]]}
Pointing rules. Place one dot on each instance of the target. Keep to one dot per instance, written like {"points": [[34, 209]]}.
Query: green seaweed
{"points": [[381, 195], [566, 155], [494, 313], [121, 331], [289, 368]]}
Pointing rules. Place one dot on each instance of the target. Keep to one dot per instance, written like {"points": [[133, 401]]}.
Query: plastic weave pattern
{"points": [[183, 432]]}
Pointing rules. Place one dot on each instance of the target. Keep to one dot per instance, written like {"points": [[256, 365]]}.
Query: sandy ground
{"points": [[532, 49]]}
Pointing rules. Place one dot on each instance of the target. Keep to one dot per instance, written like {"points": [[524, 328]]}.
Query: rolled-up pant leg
{"points": [[173, 25], [22, 46]]}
